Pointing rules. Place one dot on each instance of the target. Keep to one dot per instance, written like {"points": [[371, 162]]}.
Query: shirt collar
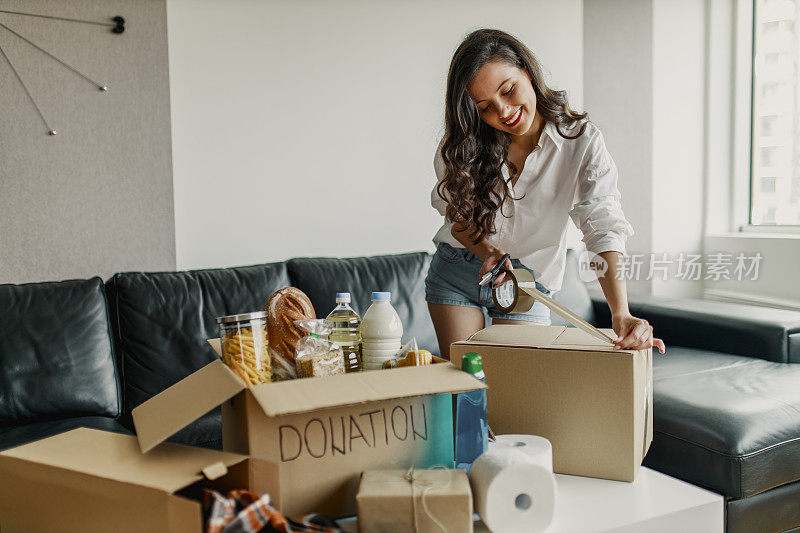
{"points": [[551, 131]]}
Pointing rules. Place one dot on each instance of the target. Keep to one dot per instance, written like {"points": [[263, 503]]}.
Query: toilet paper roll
{"points": [[511, 492], [537, 448]]}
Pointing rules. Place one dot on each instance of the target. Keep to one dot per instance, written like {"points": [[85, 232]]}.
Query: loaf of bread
{"points": [[283, 308]]}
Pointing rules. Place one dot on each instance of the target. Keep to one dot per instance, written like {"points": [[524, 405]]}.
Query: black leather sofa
{"points": [[84, 353]]}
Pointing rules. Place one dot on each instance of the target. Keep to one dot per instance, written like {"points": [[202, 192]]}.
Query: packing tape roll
{"points": [[538, 449], [508, 298], [519, 295], [511, 492]]}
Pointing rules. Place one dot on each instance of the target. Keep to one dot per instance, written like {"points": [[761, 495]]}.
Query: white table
{"points": [[653, 503]]}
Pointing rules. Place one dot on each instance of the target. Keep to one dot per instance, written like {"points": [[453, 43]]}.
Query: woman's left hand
{"points": [[634, 334]]}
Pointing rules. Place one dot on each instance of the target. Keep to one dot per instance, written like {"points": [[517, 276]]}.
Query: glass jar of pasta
{"points": [[244, 346]]}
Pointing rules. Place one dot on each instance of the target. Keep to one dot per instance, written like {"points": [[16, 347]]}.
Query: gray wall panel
{"points": [[97, 198]]}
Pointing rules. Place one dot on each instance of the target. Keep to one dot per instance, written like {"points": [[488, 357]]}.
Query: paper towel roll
{"points": [[538, 449], [511, 492]]}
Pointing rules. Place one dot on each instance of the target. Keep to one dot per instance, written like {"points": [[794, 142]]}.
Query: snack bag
{"points": [[315, 355], [410, 355]]}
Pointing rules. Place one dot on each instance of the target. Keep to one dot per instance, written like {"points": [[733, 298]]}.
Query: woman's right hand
{"points": [[490, 262]]}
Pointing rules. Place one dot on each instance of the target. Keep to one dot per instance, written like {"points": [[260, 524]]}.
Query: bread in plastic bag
{"points": [[315, 355]]}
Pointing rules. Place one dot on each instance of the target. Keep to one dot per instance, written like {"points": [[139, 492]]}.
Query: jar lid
{"points": [[246, 317]]}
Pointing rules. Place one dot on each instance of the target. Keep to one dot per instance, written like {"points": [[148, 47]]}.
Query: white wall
{"points": [[308, 128], [645, 86], [618, 91], [679, 76]]}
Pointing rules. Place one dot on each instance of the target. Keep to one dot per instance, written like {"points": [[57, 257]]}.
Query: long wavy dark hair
{"points": [[473, 151]]}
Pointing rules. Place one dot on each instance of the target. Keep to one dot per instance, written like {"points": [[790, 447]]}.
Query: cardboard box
{"points": [[389, 502], [87, 480], [594, 403], [322, 431]]}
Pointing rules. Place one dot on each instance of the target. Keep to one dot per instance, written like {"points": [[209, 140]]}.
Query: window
{"points": [[775, 164], [768, 156], [769, 91], [768, 125]]}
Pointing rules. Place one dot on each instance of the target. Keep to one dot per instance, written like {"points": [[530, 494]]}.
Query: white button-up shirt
{"points": [[562, 179]]}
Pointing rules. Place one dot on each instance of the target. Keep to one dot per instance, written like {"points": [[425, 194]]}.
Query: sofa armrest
{"points": [[748, 330]]}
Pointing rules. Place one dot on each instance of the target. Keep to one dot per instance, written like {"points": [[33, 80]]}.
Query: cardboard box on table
{"points": [[422, 501], [323, 432], [86, 480], [594, 403]]}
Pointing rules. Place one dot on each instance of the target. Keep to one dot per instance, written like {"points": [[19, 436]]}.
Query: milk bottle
{"points": [[381, 332]]}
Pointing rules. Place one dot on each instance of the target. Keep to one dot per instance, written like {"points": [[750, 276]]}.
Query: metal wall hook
{"points": [[119, 24]]}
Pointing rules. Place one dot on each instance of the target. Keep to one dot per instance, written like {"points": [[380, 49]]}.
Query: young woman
{"points": [[514, 165]]}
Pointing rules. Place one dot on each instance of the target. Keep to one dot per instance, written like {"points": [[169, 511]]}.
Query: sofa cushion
{"points": [[403, 275], [726, 422], [205, 432], [19, 435], [774, 510], [573, 294], [56, 355], [163, 320]]}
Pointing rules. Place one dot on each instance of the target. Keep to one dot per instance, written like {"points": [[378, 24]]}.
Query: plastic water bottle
{"points": [[381, 332], [472, 427], [346, 331]]}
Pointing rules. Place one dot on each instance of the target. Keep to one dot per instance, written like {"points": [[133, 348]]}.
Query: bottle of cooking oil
{"points": [[346, 331]]}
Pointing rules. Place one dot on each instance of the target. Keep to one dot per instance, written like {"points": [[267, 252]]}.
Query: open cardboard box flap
{"points": [[166, 413], [169, 468], [543, 337]]}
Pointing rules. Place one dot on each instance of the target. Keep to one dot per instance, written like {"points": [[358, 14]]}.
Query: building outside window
{"points": [[775, 169]]}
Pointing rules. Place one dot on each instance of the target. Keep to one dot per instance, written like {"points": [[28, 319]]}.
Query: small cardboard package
{"points": [[594, 403], [322, 431], [87, 480], [423, 501]]}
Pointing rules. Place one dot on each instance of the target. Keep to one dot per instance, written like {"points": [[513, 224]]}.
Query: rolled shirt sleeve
{"points": [[597, 210]]}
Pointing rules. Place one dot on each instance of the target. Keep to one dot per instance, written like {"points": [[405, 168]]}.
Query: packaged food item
{"points": [[245, 345], [346, 331], [434, 500], [416, 358], [409, 355], [315, 355], [381, 332], [284, 308]]}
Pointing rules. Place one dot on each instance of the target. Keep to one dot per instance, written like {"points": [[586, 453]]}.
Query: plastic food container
{"points": [[244, 346]]}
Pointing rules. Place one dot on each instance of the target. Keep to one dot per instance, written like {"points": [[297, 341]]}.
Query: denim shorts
{"points": [[453, 280]]}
